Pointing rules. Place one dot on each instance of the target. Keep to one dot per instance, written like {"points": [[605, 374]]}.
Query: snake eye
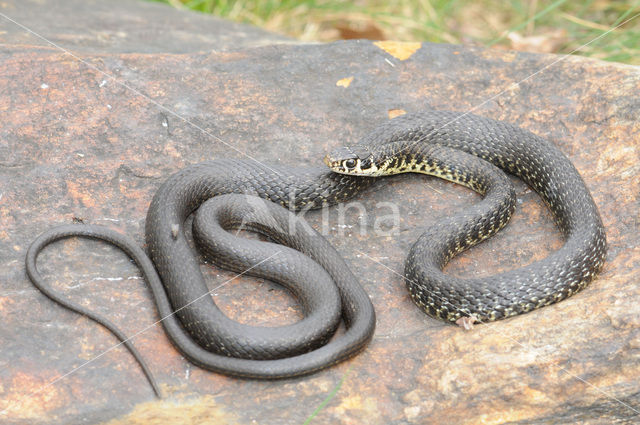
{"points": [[350, 163]]}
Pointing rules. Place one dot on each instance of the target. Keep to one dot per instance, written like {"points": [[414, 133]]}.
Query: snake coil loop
{"points": [[462, 148]]}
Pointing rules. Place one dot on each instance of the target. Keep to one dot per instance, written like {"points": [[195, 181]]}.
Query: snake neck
{"points": [[425, 158]]}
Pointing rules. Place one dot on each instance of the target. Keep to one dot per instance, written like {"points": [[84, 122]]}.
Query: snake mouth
{"points": [[335, 160]]}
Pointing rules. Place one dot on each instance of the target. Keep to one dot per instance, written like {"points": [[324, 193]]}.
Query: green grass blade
{"points": [[534, 18], [328, 398]]}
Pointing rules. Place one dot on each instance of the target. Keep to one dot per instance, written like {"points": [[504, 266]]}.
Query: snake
{"points": [[226, 194], [529, 157]]}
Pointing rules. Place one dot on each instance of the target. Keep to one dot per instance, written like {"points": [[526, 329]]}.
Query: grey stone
{"points": [[125, 26], [77, 144]]}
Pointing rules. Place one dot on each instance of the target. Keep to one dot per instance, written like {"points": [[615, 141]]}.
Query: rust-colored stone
{"points": [[75, 144]]}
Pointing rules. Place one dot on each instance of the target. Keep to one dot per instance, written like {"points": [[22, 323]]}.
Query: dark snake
{"points": [[462, 148]]}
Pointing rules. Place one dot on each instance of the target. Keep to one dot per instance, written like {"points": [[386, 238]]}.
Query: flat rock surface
{"points": [[93, 141], [124, 26]]}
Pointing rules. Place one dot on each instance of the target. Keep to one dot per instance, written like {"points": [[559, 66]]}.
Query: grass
{"points": [[328, 398], [559, 26]]}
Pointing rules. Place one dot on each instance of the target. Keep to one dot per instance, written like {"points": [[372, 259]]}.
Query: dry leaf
{"points": [[548, 42]]}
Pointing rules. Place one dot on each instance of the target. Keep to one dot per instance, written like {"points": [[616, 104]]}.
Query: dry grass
{"points": [[560, 26]]}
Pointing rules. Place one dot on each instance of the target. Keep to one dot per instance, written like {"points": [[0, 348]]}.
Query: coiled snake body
{"points": [[533, 159], [458, 148]]}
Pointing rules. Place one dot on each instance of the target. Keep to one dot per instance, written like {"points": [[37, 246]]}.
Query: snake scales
{"points": [[465, 149]]}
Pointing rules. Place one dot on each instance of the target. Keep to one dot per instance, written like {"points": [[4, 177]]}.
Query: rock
{"points": [[76, 144], [123, 26]]}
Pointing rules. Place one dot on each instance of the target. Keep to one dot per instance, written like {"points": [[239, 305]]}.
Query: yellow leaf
{"points": [[345, 82], [399, 49]]}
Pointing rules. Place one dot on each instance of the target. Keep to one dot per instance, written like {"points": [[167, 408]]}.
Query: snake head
{"points": [[353, 160]]}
